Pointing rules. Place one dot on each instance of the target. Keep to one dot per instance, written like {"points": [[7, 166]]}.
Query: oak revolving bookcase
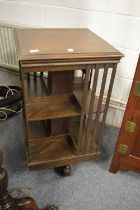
{"points": [[65, 74]]}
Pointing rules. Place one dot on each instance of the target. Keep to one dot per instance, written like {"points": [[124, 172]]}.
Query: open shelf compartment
{"points": [[52, 107], [35, 86], [37, 129], [50, 148], [36, 90], [55, 151]]}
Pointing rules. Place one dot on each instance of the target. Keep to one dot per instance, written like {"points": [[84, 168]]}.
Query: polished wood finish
{"points": [[7, 202], [56, 83], [99, 106], [85, 45], [130, 160], [107, 105], [52, 107], [36, 88], [59, 126], [37, 129], [55, 151], [62, 113]]}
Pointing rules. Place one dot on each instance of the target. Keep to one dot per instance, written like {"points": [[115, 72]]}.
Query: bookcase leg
{"points": [[64, 170]]}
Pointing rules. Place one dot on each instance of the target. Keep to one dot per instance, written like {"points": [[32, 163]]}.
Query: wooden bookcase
{"points": [[64, 114]]}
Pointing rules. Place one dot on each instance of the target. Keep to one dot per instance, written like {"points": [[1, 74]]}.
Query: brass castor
{"points": [[52, 207], [64, 170]]}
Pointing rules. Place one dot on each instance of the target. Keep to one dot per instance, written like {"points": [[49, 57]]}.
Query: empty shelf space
{"points": [[37, 129], [78, 93], [51, 148], [52, 107], [55, 151], [35, 87]]}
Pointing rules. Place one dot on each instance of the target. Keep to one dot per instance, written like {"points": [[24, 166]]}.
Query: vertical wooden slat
{"points": [[35, 75], [106, 106], [41, 74], [91, 72], [23, 102], [96, 123], [28, 76], [83, 108], [89, 121]]}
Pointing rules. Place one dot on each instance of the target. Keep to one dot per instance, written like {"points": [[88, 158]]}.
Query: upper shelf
{"points": [[56, 45], [36, 90], [35, 87]]}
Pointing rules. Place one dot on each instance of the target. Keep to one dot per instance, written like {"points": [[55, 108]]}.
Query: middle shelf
{"points": [[52, 107], [40, 105]]}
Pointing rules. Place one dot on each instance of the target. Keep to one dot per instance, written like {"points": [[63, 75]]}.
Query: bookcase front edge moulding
{"points": [[64, 114]]}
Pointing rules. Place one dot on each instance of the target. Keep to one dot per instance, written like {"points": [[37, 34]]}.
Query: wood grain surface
{"points": [[60, 44]]}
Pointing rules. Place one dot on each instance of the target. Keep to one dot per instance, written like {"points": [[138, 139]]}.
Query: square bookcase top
{"points": [[63, 45]]}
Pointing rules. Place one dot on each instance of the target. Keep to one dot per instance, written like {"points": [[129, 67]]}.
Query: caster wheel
{"points": [[52, 207], [64, 170]]}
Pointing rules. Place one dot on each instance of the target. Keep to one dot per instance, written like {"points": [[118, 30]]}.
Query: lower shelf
{"points": [[55, 151]]}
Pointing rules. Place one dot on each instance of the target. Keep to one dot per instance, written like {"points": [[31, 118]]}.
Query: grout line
{"points": [[74, 8], [96, 11]]}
